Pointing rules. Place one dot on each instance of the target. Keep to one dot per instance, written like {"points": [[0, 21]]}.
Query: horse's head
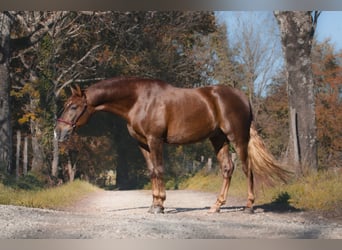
{"points": [[75, 114]]}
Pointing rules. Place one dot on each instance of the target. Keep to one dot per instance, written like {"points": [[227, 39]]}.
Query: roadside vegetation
{"points": [[30, 192], [319, 191]]}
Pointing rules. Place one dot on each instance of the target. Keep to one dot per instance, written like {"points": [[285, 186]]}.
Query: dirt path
{"points": [[123, 214]]}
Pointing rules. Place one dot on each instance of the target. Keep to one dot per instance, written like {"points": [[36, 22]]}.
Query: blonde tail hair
{"points": [[262, 163]]}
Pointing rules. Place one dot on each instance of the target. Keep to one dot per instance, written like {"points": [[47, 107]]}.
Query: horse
{"points": [[157, 112]]}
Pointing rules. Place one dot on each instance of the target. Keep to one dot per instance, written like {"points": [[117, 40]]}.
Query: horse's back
{"points": [[188, 115], [195, 114]]}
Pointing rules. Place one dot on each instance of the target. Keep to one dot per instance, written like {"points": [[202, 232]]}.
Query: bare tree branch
{"points": [[71, 68], [315, 20], [35, 30]]}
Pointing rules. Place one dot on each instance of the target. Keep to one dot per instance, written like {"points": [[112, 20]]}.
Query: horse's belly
{"points": [[189, 132]]}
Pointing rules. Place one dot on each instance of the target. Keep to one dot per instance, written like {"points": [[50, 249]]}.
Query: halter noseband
{"points": [[73, 124]]}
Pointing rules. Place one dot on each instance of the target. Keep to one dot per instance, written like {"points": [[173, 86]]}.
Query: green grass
{"points": [[53, 198]]}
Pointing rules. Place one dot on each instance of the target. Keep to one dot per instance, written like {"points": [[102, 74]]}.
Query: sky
{"points": [[265, 26], [329, 26]]}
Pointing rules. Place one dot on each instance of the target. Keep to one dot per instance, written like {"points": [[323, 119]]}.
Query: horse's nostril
{"points": [[61, 134]]}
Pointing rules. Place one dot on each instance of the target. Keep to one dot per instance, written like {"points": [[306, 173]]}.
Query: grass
{"points": [[52, 198], [316, 192], [211, 182]]}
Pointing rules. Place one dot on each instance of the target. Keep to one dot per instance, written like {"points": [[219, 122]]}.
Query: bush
{"points": [[30, 182]]}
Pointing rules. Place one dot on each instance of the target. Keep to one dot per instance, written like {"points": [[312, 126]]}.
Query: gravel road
{"points": [[123, 215]]}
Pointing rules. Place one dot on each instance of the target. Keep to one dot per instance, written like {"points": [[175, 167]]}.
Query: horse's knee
{"points": [[156, 172], [227, 168], [226, 163]]}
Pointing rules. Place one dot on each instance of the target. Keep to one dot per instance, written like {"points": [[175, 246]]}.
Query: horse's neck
{"points": [[117, 98]]}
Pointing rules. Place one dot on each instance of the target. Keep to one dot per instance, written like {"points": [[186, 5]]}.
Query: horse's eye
{"points": [[73, 107]]}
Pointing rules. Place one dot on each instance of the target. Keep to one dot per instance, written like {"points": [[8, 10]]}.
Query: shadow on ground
{"points": [[280, 205]]}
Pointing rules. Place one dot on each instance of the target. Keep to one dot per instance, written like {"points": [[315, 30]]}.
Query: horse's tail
{"points": [[262, 163]]}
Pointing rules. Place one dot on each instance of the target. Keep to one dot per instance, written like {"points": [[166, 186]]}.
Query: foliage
{"points": [[144, 43], [274, 116], [274, 113], [31, 181], [327, 68]]}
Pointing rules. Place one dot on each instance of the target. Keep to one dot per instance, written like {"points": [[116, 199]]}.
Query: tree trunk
{"points": [[25, 156], [55, 153], [297, 30], [38, 156], [71, 170], [5, 115], [17, 161], [55, 158]]}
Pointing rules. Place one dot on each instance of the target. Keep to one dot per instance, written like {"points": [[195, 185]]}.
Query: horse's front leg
{"points": [[154, 159]]}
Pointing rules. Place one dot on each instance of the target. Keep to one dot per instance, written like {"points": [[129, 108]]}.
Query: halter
{"points": [[73, 124]]}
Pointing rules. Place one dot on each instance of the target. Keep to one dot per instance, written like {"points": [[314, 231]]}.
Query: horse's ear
{"points": [[76, 91], [79, 91]]}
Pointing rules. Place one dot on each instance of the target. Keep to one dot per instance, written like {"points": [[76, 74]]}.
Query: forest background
{"points": [[186, 49]]}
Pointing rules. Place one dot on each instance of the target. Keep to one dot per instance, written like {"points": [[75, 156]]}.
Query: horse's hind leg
{"points": [[243, 155], [221, 145]]}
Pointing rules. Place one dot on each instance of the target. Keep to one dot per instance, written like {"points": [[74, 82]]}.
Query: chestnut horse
{"points": [[158, 113]]}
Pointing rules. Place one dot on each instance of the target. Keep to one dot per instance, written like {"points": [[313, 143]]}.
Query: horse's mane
{"points": [[105, 90]]}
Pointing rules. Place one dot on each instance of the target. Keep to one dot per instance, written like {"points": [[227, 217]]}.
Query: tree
{"points": [[32, 28], [256, 53], [327, 71], [5, 114], [274, 117], [214, 57], [56, 58], [56, 49], [297, 32]]}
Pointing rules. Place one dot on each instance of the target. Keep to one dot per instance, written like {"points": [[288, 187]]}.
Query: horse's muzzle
{"points": [[62, 134]]}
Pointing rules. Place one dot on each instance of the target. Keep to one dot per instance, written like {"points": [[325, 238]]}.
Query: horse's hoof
{"points": [[248, 210], [156, 210], [214, 209]]}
